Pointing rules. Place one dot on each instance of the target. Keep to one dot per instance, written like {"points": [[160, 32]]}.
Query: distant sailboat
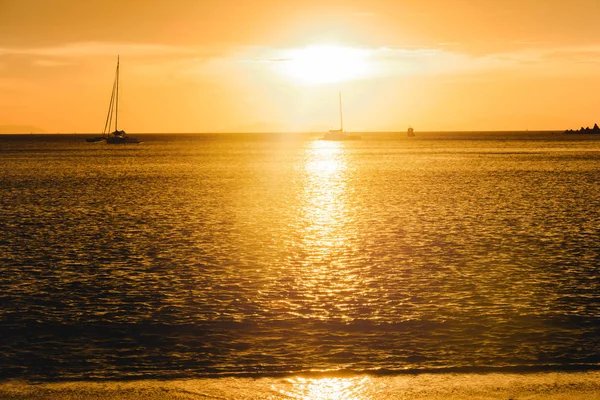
{"points": [[410, 132], [116, 136], [339, 134]]}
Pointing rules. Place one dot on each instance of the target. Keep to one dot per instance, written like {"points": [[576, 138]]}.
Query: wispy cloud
{"points": [[147, 59], [78, 49], [589, 54], [450, 44], [365, 14], [559, 60], [389, 61], [267, 60], [49, 63], [450, 59]]}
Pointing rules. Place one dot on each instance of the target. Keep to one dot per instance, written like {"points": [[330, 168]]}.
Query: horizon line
{"points": [[302, 132]]}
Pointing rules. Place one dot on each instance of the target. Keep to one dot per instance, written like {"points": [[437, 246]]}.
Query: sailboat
{"points": [[339, 134], [117, 136]]}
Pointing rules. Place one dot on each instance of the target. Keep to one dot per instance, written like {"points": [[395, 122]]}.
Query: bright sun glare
{"points": [[326, 63]]}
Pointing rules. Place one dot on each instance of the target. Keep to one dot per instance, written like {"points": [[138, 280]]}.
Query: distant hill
{"points": [[21, 129]]}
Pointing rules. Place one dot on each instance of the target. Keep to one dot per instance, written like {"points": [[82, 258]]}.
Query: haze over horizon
{"points": [[269, 65]]}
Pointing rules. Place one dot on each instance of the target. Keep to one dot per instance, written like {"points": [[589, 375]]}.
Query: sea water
{"points": [[273, 255]]}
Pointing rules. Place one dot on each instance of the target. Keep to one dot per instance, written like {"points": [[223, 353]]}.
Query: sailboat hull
{"points": [[120, 137]]}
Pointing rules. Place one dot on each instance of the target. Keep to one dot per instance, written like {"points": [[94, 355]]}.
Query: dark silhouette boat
{"points": [[117, 136]]}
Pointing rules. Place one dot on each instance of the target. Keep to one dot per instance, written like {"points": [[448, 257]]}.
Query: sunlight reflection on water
{"points": [[324, 196], [354, 388], [328, 230]]}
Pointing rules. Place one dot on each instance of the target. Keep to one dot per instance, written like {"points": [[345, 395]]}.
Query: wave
{"points": [[117, 351]]}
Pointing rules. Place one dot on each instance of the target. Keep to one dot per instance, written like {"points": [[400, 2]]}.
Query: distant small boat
{"points": [[339, 134], [117, 136], [410, 132]]}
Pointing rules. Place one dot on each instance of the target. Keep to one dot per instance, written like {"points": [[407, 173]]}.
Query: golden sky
{"points": [[278, 65]]}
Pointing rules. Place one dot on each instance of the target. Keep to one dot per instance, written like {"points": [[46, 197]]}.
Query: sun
{"points": [[318, 64]]}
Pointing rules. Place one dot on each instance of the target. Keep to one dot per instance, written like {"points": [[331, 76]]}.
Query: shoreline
{"points": [[450, 386]]}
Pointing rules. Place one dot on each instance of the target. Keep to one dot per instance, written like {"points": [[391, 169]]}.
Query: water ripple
{"points": [[217, 256]]}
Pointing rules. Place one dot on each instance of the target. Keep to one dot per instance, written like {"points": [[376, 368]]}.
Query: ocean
{"points": [[280, 257]]}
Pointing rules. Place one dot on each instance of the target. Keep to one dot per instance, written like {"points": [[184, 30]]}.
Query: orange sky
{"points": [[277, 65]]}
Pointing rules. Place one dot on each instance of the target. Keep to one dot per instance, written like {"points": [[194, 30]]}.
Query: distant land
{"points": [[595, 129], [21, 129]]}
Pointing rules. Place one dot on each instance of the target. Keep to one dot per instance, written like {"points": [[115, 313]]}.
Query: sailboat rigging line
{"points": [[108, 123], [117, 102]]}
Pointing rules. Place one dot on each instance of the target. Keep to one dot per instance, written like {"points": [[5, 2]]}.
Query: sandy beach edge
{"points": [[481, 386]]}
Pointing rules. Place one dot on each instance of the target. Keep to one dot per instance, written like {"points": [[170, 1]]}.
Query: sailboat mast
{"points": [[117, 99], [341, 117]]}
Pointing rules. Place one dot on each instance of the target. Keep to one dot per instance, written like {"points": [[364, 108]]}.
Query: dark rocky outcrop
{"points": [[595, 129]]}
